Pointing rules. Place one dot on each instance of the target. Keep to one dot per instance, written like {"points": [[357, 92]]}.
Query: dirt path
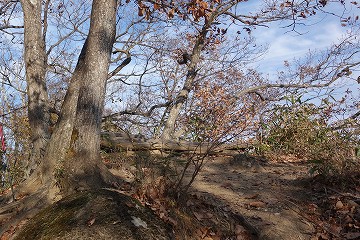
{"points": [[266, 194]]}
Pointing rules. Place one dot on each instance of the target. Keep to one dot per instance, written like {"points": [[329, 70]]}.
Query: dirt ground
{"points": [[264, 194], [244, 197], [279, 199]]}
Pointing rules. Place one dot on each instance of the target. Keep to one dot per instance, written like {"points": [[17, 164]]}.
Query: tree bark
{"points": [[170, 123], [72, 159], [74, 147], [181, 98], [36, 62]]}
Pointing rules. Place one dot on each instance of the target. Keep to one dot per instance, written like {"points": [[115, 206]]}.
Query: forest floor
{"points": [[275, 200], [280, 200], [245, 197]]}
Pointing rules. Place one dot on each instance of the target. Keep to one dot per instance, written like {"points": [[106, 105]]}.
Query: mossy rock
{"points": [[100, 214]]}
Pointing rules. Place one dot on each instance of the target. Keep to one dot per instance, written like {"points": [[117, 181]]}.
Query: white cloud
{"points": [[285, 45]]}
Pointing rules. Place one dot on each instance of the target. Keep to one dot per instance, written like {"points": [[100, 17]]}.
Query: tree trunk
{"points": [[72, 159], [181, 98], [169, 126], [74, 148], [36, 62]]}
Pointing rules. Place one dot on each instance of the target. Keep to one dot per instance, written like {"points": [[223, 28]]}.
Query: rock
{"points": [[96, 214], [339, 205], [242, 160]]}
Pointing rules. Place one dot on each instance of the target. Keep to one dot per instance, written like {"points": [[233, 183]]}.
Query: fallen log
{"points": [[118, 141]]}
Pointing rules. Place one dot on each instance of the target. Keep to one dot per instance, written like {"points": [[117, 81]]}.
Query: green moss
{"points": [[111, 214], [54, 220]]}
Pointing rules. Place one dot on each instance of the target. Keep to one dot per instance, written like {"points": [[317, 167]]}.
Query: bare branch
{"points": [[138, 113]]}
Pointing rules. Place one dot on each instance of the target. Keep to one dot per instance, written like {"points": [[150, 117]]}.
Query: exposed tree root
{"points": [[13, 213], [33, 195]]}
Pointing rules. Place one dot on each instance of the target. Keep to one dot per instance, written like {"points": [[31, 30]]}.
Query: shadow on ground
{"points": [[265, 194]]}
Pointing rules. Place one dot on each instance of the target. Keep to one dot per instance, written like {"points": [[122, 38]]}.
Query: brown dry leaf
{"points": [[241, 237], [147, 14], [130, 204], [324, 236], [352, 209], [239, 229], [156, 6], [5, 236], [190, 203], [171, 13], [208, 215], [172, 221], [204, 215], [313, 207], [352, 235], [91, 222], [348, 219], [252, 196], [240, 232], [162, 208], [199, 216], [257, 204], [204, 5], [352, 203], [216, 237], [152, 193], [8, 234], [202, 232], [334, 229], [141, 11]]}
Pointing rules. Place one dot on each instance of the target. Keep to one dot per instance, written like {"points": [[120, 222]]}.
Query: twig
{"points": [[344, 194]]}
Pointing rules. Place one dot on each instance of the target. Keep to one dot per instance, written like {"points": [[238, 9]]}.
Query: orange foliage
{"points": [[216, 114]]}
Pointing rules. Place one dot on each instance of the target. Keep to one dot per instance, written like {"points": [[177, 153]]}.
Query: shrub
{"points": [[304, 130]]}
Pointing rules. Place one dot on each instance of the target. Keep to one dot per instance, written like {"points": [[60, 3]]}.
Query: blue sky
{"points": [[290, 46], [287, 46], [319, 33]]}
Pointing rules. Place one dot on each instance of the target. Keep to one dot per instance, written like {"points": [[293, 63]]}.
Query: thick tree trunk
{"points": [[74, 147], [35, 62], [72, 158]]}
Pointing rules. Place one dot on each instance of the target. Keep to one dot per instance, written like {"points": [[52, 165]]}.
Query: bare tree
{"points": [[226, 11], [183, 61]]}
